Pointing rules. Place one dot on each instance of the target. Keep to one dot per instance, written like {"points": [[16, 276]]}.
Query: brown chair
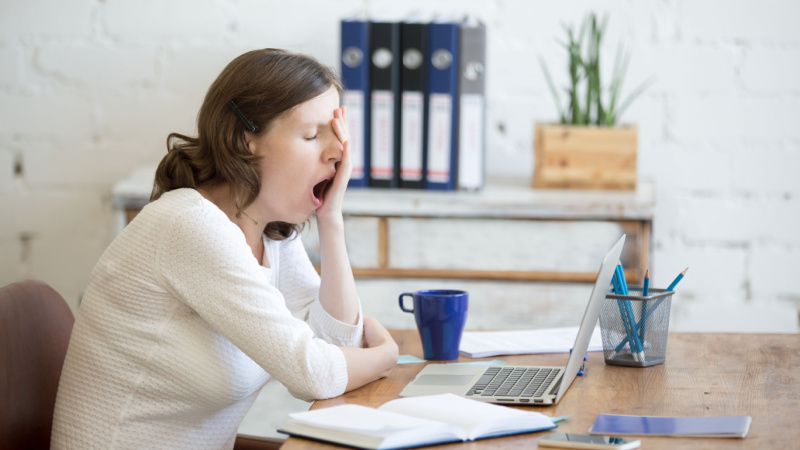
{"points": [[35, 326]]}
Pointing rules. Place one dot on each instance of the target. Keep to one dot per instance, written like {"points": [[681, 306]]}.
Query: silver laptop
{"points": [[521, 385]]}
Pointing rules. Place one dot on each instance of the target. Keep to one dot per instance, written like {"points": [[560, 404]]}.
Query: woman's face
{"points": [[298, 159]]}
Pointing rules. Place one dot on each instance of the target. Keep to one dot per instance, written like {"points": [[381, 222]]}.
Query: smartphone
{"points": [[571, 440]]}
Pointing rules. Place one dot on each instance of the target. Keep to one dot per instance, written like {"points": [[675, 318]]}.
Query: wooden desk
{"points": [[704, 375]]}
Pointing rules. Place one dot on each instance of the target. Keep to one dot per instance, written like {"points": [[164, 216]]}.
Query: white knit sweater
{"points": [[180, 327]]}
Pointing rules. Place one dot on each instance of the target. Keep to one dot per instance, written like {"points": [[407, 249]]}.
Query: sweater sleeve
{"points": [[300, 284], [205, 262]]}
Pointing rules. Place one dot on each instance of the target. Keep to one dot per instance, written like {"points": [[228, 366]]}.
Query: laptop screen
{"points": [[590, 316]]}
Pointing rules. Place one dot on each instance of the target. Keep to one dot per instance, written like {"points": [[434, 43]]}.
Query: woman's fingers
{"points": [[340, 129], [340, 121], [344, 119]]}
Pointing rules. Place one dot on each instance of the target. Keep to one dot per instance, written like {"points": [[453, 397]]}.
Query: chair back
{"points": [[35, 326]]}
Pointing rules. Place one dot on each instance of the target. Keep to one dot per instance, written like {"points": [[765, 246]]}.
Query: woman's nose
{"points": [[333, 150]]}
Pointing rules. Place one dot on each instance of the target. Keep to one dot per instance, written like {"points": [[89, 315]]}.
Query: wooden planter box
{"points": [[584, 157]]}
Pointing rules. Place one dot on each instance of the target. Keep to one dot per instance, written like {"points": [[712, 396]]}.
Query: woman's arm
{"points": [[365, 365], [337, 292]]}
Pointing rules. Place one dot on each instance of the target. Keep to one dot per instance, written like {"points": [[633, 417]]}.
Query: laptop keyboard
{"points": [[514, 382]]}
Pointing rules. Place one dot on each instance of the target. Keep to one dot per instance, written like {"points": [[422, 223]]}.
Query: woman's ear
{"points": [[250, 141]]}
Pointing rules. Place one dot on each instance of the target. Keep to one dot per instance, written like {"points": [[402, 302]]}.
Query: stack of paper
{"points": [[480, 344]]}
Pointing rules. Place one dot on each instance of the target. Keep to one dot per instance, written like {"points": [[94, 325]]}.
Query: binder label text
{"points": [[382, 139], [411, 138], [439, 137]]}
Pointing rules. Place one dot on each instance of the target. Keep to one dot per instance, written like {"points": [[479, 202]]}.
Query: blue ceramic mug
{"points": [[440, 315]]}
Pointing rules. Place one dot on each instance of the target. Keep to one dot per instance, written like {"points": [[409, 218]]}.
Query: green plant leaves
{"points": [[584, 77]]}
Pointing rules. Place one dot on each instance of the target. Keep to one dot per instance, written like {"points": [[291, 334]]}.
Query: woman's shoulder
{"points": [[185, 208]]}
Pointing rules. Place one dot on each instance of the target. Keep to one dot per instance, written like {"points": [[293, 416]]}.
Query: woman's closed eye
{"points": [[311, 138]]}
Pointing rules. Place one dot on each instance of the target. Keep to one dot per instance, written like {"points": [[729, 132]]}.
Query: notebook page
{"points": [[361, 419], [476, 418]]}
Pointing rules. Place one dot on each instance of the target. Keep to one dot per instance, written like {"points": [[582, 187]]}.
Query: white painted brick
{"points": [[510, 150], [695, 167], [777, 219], [10, 64], [739, 220], [7, 157], [96, 166], [189, 70], [148, 118], [651, 21], [307, 26], [771, 70], [714, 271], [667, 224], [8, 223], [46, 18], [745, 20], [506, 76], [718, 219], [393, 10], [773, 270], [734, 316], [61, 214], [189, 20], [734, 118], [766, 168], [682, 69], [62, 114], [100, 66], [11, 267], [51, 255], [647, 113], [529, 21]]}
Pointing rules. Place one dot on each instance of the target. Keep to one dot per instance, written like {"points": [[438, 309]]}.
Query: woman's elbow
{"points": [[316, 391]]}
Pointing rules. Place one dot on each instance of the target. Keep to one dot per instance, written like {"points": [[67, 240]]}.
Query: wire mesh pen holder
{"points": [[644, 319]]}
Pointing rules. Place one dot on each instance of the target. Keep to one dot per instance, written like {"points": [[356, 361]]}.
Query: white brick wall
{"points": [[89, 91]]}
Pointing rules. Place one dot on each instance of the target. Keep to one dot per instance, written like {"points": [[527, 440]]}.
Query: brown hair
{"points": [[264, 84]]}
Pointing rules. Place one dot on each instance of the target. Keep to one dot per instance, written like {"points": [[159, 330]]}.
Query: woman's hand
{"points": [[332, 206], [377, 336], [375, 360]]}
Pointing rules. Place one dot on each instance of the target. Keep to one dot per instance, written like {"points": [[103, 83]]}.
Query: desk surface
{"points": [[704, 375]]}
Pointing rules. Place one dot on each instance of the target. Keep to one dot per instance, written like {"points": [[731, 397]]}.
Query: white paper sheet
{"points": [[480, 344]]}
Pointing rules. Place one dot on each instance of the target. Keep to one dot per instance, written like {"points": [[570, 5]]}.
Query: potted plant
{"points": [[588, 149]]}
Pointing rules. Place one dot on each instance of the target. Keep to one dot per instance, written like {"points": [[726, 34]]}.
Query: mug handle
{"points": [[401, 302]]}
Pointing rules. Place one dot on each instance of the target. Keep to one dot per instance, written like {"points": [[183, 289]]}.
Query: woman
{"points": [[209, 292]]}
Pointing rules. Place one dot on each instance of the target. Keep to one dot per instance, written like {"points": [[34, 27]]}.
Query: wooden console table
{"points": [[508, 231], [705, 374]]}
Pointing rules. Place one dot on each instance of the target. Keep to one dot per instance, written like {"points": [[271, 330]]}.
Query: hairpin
{"points": [[251, 127]]}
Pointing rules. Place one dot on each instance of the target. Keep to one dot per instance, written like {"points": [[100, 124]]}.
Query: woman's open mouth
{"points": [[320, 189]]}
